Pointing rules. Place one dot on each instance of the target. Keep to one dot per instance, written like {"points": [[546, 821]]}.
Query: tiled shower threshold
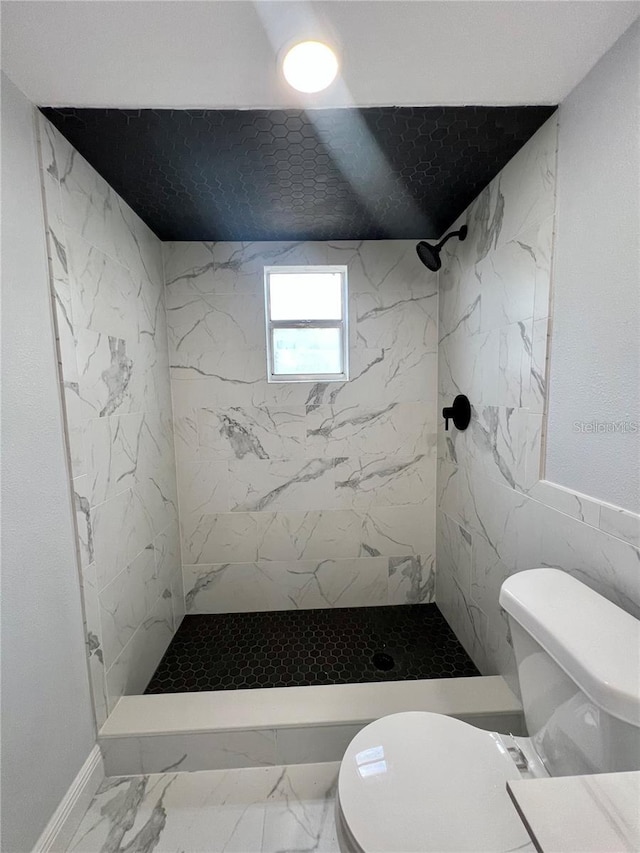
{"points": [[252, 725], [215, 730]]}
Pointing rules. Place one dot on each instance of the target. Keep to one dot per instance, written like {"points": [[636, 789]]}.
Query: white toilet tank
{"points": [[578, 659]]}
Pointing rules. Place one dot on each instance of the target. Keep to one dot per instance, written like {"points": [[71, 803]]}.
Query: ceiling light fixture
{"points": [[310, 66]]}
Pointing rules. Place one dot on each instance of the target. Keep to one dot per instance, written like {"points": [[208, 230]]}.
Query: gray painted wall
{"points": [[47, 721], [595, 354]]}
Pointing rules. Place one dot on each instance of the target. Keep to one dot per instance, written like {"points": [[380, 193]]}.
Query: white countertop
{"points": [[581, 814]]}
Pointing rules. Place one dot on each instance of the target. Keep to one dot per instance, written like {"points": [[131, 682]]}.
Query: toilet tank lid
{"points": [[595, 642]]}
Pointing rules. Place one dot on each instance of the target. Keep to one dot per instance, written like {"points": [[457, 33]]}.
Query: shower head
{"points": [[430, 255]]}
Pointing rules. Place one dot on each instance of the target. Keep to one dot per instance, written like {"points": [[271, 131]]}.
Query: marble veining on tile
{"points": [[264, 809], [108, 287], [495, 515], [297, 495]]}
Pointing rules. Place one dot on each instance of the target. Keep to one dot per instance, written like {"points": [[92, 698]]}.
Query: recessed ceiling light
{"points": [[310, 66]]}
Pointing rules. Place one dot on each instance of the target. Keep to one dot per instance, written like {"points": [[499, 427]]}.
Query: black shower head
{"points": [[430, 255]]}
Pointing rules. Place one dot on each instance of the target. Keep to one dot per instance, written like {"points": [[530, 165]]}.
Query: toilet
{"points": [[419, 781]]}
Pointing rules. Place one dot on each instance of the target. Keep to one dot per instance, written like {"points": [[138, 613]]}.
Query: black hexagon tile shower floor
{"points": [[292, 648]]}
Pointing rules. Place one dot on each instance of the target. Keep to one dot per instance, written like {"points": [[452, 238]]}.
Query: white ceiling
{"points": [[223, 54]]}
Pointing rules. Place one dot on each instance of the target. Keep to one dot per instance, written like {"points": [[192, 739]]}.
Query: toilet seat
{"points": [[419, 781]]}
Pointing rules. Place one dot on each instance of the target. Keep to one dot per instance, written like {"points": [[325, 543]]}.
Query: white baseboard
{"points": [[66, 818]]}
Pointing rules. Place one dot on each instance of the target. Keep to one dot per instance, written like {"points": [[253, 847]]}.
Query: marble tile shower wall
{"points": [[303, 495], [108, 298], [494, 515]]}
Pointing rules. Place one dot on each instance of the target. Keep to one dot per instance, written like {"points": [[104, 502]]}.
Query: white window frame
{"points": [[343, 325]]}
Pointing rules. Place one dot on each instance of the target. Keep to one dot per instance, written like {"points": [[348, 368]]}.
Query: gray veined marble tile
{"points": [[232, 588], [314, 744], [203, 488], [620, 523], [531, 444], [178, 599], [252, 432], [514, 364], [233, 379], [603, 562], [528, 183], [112, 449], [466, 619], [380, 267], [258, 486], [449, 442], [125, 602], [187, 442], [137, 247], [398, 531], [335, 583], [396, 319], [544, 241], [404, 373], [286, 585], [105, 369], [412, 580], [567, 502], [84, 526], [229, 268], [55, 151], [385, 480], [121, 529], [103, 294], [470, 366], [494, 445], [221, 537], [198, 751], [405, 428], [222, 324], [132, 669], [534, 391], [167, 554], [88, 205], [157, 502], [305, 793], [460, 296], [93, 641], [454, 551], [448, 499], [313, 535], [512, 276], [506, 519], [488, 573], [219, 811]]}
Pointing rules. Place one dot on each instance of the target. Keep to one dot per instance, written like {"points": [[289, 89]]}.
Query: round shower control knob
{"points": [[459, 413]]}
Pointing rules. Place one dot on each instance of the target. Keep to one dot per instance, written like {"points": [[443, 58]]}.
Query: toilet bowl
{"points": [[420, 781]]}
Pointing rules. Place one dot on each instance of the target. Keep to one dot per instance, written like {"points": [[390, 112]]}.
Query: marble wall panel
{"points": [[109, 305], [303, 494], [496, 515]]}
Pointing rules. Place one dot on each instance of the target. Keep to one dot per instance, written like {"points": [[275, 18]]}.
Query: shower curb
{"points": [[288, 725]]}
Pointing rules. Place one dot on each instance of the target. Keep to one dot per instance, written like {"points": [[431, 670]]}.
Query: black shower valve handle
{"points": [[459, 413]]}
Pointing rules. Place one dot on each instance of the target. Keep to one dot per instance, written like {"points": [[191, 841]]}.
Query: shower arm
{"points": [[461, 233]]}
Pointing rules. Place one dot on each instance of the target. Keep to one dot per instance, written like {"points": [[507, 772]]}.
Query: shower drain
{"points": [[383, 661]]}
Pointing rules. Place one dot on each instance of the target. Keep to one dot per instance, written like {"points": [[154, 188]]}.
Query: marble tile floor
{"points": [[303, 647], [265, 809]]}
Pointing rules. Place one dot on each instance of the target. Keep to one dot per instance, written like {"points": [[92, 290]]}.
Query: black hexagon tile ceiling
{"points": [[229, 651], [330, 174]]}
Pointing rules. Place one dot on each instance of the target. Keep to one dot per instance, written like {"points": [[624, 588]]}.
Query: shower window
{"points": [[306, 313]]}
